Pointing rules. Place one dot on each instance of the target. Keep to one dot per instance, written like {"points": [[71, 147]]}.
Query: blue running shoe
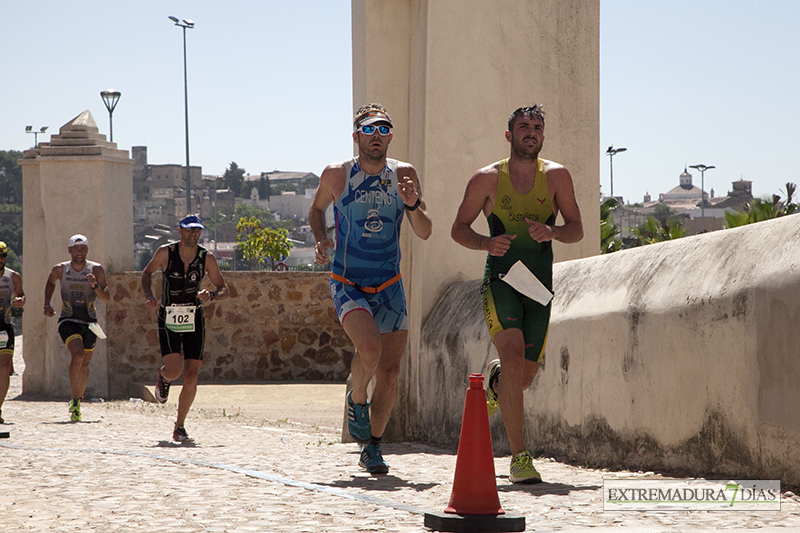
{"points": [[358, 420], [372, 459]]}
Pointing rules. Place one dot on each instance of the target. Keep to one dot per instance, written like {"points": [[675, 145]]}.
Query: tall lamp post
{"points": [[611, 152], [186, 24], [29, 129], [214, 205], [702, 169], [110, 98]]}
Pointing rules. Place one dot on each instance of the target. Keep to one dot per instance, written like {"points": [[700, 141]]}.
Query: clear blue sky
{"points": [[681, 83]]}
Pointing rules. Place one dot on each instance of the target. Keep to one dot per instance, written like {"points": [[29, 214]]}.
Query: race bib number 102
{"points": [[180, 318]]}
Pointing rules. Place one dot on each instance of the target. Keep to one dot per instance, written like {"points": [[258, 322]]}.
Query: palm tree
{"points": [[609, 240], [764, 209], [651, 231]]}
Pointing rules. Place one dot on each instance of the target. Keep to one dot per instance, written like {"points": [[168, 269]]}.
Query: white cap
{"points": [[78, 239]]}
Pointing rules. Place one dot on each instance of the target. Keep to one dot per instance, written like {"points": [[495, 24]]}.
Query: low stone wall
{"points": [[276, 326], [681, 357]]}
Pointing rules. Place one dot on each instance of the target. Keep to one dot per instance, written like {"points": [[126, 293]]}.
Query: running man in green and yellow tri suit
{"points": [[521, 197]]}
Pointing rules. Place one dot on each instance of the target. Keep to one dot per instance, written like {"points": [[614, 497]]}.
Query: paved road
{"points": [[264, 468]]}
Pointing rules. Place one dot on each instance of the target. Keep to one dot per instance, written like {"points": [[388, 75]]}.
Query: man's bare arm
{"points": [[158, 261], [330, 181], [50, 288], [215, 276], [411, 192], [572, 229], [101, 287], [476, 195]]}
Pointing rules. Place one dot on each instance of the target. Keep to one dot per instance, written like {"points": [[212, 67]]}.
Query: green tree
{"points": [[11, 234], [663, 213], [10, 177], [264, 216], [609, 232], [260, 245], [282, 187], [234, 177], [263, 188]]}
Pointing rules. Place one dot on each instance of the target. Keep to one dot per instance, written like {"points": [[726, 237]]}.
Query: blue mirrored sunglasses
{"points": [[383, 131]]}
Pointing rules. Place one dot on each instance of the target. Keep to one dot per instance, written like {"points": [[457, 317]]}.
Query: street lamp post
{"points": [[29, 129], [110, 98], [702, 169], [214, 205], [611, 152], [186, 24]]}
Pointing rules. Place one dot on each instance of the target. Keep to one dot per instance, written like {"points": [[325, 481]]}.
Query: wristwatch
{"points": [[413, 207]]}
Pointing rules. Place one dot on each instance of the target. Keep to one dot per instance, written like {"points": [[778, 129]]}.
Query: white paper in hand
{"points": [[525, 282], [95, 328]]}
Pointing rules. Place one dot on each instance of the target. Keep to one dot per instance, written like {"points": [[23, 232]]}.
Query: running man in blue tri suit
{"points": [[371, 195], [520, 197]]}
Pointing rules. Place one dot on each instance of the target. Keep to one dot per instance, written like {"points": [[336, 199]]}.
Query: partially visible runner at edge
{"points": [[181, 324], [371, 196], [82, 283], [11, 299], [521, 197]]}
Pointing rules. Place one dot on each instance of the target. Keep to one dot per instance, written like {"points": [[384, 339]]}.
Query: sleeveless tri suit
{"points": [[6, 297], [366, 265], [179, 286], [503, 306], [77, 305]]}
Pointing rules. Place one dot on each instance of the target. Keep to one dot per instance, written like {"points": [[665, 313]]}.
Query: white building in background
{"points": [[684, 201]]}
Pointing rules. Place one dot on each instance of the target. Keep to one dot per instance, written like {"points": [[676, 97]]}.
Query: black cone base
{"points": [[474, 523]]}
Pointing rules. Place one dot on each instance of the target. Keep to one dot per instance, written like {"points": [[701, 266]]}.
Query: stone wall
{"points": [[679, 356], [276, 326]]}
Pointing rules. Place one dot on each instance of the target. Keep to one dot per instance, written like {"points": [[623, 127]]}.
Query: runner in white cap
{"points": [[82, 283]]}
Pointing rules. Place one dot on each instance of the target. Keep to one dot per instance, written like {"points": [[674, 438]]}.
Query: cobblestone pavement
{"points": [[118, 471]]}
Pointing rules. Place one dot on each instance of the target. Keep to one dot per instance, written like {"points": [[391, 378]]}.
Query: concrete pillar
{"points": [[450, 72], [76, 183]]}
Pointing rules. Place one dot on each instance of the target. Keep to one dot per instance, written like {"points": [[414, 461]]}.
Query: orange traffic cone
{"points": [[474, 485], [474, 504]]}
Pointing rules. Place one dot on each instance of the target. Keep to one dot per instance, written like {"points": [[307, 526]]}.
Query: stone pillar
{"points": [[76, 183], [450, 72]]}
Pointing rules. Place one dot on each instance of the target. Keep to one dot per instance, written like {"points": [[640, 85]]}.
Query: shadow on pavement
{"points": [[385, 482], [540, 489]]}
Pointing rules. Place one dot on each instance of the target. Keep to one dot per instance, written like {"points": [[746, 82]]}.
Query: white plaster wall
{"points": [[678, 356], [450, 72]]}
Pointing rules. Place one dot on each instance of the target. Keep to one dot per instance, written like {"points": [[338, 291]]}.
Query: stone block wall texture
{"points": [[276, 326], [679, 357]]}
